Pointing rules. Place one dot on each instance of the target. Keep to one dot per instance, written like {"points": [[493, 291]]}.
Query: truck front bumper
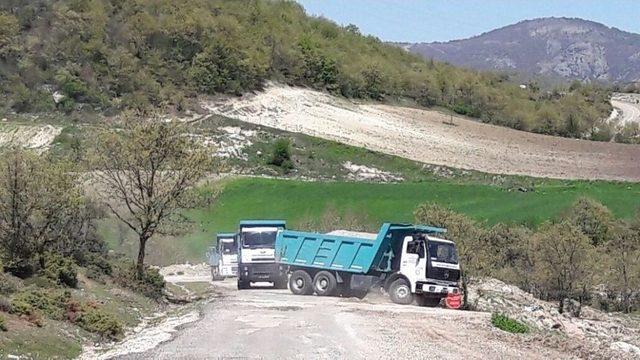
{"points": [[259, 272], [229, 270], [436, 289]]}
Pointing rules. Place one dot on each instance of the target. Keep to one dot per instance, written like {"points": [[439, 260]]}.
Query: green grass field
{"points": [[296, 201]]}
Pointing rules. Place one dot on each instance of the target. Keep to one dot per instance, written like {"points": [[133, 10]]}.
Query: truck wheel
{"points": [[242, 285], [400, 292], [325, 284], [430, 301], [215, 274], [300, 283]]}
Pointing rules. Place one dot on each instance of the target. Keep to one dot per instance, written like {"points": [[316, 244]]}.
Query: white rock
{"points": [[58, 96], [625, 347]]}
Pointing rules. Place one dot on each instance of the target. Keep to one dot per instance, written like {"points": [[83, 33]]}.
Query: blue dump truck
{"points": [[408, 261], [256, 260], [223, 257]]}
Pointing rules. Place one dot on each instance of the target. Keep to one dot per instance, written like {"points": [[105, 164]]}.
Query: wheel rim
{"points": [[299, 283], [322, 284], [402, 291]]}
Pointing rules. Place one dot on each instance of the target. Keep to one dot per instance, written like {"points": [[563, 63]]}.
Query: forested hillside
{"points": [[108, 55]]}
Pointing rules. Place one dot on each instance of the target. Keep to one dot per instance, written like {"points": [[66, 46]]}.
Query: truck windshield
{"points": [[443, 252], [259, 238], [229, 247]]}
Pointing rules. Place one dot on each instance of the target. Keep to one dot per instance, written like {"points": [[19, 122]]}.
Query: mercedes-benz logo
{"points": [[446, 274]]}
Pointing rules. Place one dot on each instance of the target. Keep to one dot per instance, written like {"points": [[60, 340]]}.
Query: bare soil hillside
{"points": [[430, 136]]}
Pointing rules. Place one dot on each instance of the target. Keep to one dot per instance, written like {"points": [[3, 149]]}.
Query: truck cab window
{"points": [[416, 247]]}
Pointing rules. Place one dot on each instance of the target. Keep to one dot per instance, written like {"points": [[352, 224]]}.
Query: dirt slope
{"points": [[428, 136]]}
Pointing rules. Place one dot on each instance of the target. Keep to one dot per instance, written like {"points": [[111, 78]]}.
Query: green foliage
{"points": [[60, 269], [281, 154], [7, 285], [42, 210], [507, 324], [50, 302], [5, 304], [3, 325], [172, 51], [593, 219], [97, 321], [150, 284]]}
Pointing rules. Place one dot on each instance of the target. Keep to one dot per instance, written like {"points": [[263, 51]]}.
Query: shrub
{"points": [[151, 284], [7, 286], [505, 323], [100, 322], [52, 303], [3, 325], [61, 269], [281, 154], [5, 305]]}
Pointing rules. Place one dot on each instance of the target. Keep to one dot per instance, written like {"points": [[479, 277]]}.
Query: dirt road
{"points": [[629, 105], [431, 137], [274, 324]]}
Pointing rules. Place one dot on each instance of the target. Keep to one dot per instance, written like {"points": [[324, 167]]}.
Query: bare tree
{"points": [[145, 172]]}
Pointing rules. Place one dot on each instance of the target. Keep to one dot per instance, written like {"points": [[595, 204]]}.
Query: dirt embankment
{"points": [[431, 136]]}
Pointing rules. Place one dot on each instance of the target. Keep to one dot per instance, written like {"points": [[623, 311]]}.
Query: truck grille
{"points": [[444, 274]]}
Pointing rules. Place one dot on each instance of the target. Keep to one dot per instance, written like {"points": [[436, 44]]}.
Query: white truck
{"points": [[257, 263], [223, 258]]}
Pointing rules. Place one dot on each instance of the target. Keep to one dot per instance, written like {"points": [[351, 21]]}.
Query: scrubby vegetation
{"points": [[281, 155], [584, 254], [107, 55], [505, 323]]}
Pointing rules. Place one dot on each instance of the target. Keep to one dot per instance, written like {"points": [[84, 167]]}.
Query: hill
{"points": [[555, 47], [110, 55]]}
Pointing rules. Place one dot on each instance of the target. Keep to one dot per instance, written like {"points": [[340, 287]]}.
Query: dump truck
{"points": [[408, 261], [223, 257], [256, 241]]}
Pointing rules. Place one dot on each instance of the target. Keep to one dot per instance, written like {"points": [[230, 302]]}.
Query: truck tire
{"points": [[325, 284], [430, 301], [300, 283], [400, 292], [215, 274], [243, 285]]}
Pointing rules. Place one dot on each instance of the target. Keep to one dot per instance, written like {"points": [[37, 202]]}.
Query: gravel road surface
{"points": [[274, 324]]}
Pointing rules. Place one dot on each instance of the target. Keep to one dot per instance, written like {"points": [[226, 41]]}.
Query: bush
{"points": [[61, 270], [99, 322], [5, 305], [281, 154], [7, 286], [52, 303], [505, 323], [151, 284], [3, 325]]}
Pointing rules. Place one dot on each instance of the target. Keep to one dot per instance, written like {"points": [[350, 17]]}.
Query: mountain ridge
{"points": [[569, 48]]}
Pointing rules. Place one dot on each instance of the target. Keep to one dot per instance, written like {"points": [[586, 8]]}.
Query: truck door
{"points": [[413, 261]]}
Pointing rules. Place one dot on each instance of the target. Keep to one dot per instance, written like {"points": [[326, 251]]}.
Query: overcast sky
{"points": [[440, 20]]}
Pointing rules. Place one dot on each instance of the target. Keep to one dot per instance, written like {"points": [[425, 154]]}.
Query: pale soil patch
{"points": [[428, 136], [38, 138]]}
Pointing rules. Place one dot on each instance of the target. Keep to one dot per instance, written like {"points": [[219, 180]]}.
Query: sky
{"points": [[440, 20]]}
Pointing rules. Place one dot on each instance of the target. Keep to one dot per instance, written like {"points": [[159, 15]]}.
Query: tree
{"points": [[623, 249], [563, 260], [281, 154], [40, 208], [592, 218], [466, 234], [145, 172]]}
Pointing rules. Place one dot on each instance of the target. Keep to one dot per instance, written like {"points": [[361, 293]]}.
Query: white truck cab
{"points": [[430, 265], [223, 258]]}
